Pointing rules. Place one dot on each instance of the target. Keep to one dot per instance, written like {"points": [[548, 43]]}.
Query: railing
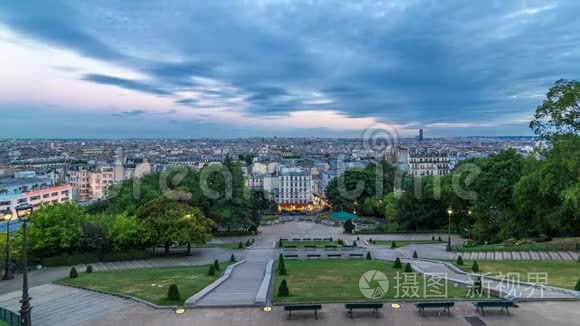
{"points": [[10, 317]]}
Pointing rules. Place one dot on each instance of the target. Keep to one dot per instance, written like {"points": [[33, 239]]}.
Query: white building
{"points": [[295, 189]]}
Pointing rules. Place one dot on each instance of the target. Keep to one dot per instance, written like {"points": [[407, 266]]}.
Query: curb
{"points": [[262, 296], [196, 297]]}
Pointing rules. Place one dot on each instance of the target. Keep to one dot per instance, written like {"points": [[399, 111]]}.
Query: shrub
{"points": [[283, 290], [439, 239], [282, 268], [415, 254], [371, 240], [577, 287], [357, 238], [248, 243], [393, 245], [211, 271], [216, 265], [354, 244], [73, 273], [280, 260], [173, 293], [240, 245], [232, 258], [408, 268], [89, 269], [433, 237], [459, 261], [475, 267], [397, 264], [369, 257], [280, 243]]}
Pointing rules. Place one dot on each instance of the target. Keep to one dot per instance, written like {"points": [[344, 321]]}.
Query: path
{"points": [[62, 305]]}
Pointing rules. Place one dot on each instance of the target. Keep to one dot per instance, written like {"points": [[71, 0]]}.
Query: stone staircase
{"points": [[521, 255]]}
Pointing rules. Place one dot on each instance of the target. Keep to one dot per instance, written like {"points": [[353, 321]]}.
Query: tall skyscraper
{"points": [[420, 135]]}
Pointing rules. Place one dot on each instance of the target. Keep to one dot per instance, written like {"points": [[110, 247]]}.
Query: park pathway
{"points": [[243, 285], [66, 306]]}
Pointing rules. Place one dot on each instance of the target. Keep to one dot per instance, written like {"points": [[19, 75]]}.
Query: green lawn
{"points": [[402, 243], [561, 274], [3, 323], [338, 281], [557, 244], [319, 244], [145, 283]]}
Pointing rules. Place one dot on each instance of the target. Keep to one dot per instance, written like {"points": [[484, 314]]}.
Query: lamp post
{"points": [[24, 213], [469, 221], [6, 216], [449, 212]]}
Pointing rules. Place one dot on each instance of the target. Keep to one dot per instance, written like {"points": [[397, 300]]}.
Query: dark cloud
{"points": [[125, 83]]}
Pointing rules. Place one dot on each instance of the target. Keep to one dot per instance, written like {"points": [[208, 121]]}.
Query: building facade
{"points": [[15, 191]]}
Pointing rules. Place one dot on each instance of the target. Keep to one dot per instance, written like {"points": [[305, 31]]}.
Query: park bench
{"points": [[357, 255], [330, 247], [446, 305], [374, 306], [290, 256], [493, 304], [286, 247], [282, 239], [310, 247], [303, 307], [317, 239], [328, 239], [334, 255], [296, 239], [306, 239]]}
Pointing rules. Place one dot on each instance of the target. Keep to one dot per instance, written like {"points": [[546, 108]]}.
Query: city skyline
{"points": [[280, 68]]}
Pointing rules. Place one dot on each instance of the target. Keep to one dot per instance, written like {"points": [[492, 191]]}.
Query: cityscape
{"points": [[277, 162]]}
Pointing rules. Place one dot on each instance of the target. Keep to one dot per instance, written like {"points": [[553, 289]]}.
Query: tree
{"points": [[348, 226], [173, 293], [240, 245], [283, 290], [124, 232], [459, 261], [408, 268], [167, 221], [560, 111], [282, 268], [369, 257], [89, 269], [415, 254], [397, 263], [232, 258], [475, 267], [211, 270], [73, 273], [393, 245]]}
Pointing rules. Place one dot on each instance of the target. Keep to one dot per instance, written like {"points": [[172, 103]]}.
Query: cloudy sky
{"points": [[193, 68]]}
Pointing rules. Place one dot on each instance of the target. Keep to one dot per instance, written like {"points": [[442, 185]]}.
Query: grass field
{"points": [[149, 284], [557, 244], [338, 281], [319, 244], [402, 243], [560, 274]]}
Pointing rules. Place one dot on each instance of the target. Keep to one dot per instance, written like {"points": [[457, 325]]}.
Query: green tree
{"points": [[211, 270], [124, 232], [73, 273], [459, 261], [369, 257], [397, 264], [282, 268], [475, 267], [415, 254], [283, 290], [348, 226], [408, 268], [173, 293], [232, 258], [216, 265], [560, 111]]}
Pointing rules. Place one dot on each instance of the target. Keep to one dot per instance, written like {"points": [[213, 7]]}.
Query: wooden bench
{"points": [[374, 306], [290, 256], [286, 247], [333, 255], [303, 307], [493, 304], [356, 255], [445, 305], [313, 256]]}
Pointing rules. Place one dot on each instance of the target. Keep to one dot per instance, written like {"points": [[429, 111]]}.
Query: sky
{"points": [[295, 68]]}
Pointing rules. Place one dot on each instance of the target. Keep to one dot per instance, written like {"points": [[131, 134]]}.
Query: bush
{"points": [[89, 269], [369, 257], [211, 271], [459, 261], [408, 268], [577, 287], [415, 254], [433, 238], [216, 265], [73, 273], [397, 264], [280, 243], [283, 290], [439, 239], [354, 244], [371, 240], [173, 293], [475, 267], [280, 260], [232, 258], [282, 268], [248, 243], [240, 245], [393, 245], [357, 238]]}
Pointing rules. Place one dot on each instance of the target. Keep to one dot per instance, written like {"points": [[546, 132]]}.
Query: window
{"points": [[45, 195], [35, 198]]}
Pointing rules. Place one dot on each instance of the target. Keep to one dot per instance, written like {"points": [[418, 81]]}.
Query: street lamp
{"points": [[469, 221], [24, 213], [6, 216], [449, 212]]}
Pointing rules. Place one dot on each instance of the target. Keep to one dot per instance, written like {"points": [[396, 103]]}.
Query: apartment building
{"points": [[31, 189]]}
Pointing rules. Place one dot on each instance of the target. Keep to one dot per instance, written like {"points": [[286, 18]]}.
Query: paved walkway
{"points": [[529, 314], [62, 305]]}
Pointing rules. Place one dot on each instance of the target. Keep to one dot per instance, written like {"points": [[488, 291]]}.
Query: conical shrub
{"points": [[459, 261], [393, 245], [283, 290], [369, 257], [173, 293], [282, 268], [89, 269], [415, 254], [240, 245], [211, 270], [408, 268], [475, 267], [73, 273], [232, 258], [216, 265], [397, 264]]}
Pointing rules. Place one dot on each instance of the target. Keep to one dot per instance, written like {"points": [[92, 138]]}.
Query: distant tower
{"points": [[4, 162], [420, 135], [119, 161]]}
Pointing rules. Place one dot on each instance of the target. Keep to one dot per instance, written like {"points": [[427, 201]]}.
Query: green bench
{"points": [[357, 255], [493, 304], [374, 306], [303, 307], [446, 305]]}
